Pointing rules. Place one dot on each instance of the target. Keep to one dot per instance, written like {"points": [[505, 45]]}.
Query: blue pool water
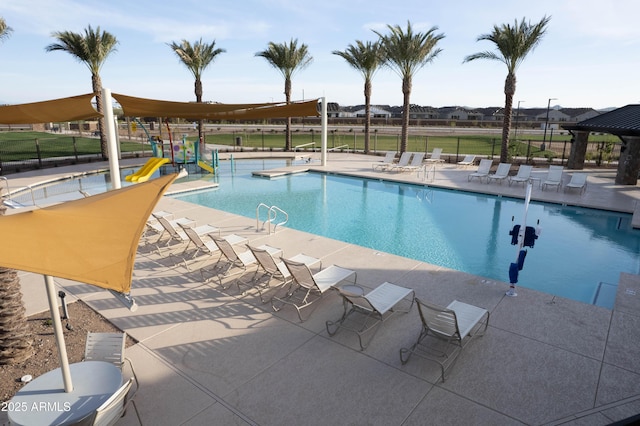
{"points": [[579, 254], [577, 250]]}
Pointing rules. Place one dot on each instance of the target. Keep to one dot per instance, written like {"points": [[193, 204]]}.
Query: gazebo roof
{"points": [[623, 121]]}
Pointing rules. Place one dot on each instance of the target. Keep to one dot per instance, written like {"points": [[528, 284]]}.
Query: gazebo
{"points": [[622, 122]]}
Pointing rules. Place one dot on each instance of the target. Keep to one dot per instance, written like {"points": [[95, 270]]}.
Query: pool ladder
{"points": [[272, 215]]}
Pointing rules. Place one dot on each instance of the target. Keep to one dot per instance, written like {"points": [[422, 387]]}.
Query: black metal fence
{"points": [[29, 154]]}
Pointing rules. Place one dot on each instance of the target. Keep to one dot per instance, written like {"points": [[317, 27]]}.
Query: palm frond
{"points": [[287, 58], [197, 56], [5, 30], [92, 48], [407, 51]]}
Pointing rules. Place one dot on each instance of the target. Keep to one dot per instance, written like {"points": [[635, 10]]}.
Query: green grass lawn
{"points": [[15, 146]]}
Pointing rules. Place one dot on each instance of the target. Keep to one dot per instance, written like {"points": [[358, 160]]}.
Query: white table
{"points": [[43, 401]]}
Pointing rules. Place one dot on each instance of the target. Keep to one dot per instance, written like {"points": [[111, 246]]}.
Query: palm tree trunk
{"points": [[367, 113], [406, 91], [287, 95], [96, 82], [15, 342], [509, 91], [198, 91]]}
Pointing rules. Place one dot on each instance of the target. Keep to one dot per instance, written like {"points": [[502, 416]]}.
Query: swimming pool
{"points": [[579, 254]]}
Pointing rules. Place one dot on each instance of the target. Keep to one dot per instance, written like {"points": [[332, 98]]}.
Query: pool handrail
{"points": [[272, 214]]}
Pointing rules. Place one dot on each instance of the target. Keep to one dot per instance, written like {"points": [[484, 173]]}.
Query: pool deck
{"points": [[208, 356]]}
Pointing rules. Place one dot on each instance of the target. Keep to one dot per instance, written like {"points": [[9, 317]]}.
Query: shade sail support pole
{"points": [[324, 131], [112, 144], [58, 333]]}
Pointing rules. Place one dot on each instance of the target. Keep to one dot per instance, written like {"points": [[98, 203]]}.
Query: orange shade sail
{"points": [[141, 107], [65, 109], [92, 240], [80, 108]]}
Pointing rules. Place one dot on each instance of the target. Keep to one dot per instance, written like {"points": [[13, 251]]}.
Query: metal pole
{"points": [[58, 333], [515, 136], [323, 154], [546, 124], [112, 148]]}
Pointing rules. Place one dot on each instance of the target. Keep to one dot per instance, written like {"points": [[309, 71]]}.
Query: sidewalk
{"points": [[207, 356]]}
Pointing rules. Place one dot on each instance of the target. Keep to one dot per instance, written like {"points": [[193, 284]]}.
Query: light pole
{"points": [[515, 136], [546, 124]]}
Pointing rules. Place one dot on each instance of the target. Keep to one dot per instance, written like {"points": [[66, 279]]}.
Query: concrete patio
{"points": [[208, 356]]}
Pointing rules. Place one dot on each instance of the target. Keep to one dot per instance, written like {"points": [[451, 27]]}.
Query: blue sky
{"points": [[590, 56]]}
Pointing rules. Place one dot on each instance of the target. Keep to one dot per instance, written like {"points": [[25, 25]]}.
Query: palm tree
{"points": [[513, 43], [196, 58], [15, 343], [366, 58], [91, 48], [287, 58], [5, 30], [406, 53]]}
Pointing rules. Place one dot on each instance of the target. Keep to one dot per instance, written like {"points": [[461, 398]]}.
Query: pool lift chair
{"points": [[366, 312], [446, 332], [483, 170], [306, 288], [502, 172]]}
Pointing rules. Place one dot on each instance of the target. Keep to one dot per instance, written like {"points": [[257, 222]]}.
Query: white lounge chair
{"points": [[387, 161], [554, 177], [456, 325], [435, 156], [372, 309], [275, 269], [235, 263], [402, 162], [502, 172], [175, 232], [483, 170], [524, 175], [414, 165], [468, 160], [307, 288], [578, 181]]}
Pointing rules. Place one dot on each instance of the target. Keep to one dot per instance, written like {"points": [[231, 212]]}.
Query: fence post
{"points": [[457, 149], [528, 151], [493, 147], [564, 149], [38, 153], [375, 141], [426, 144]]}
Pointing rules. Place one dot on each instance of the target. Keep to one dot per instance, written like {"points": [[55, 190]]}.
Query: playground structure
{"points": [[144, 173], [185, 152]]}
